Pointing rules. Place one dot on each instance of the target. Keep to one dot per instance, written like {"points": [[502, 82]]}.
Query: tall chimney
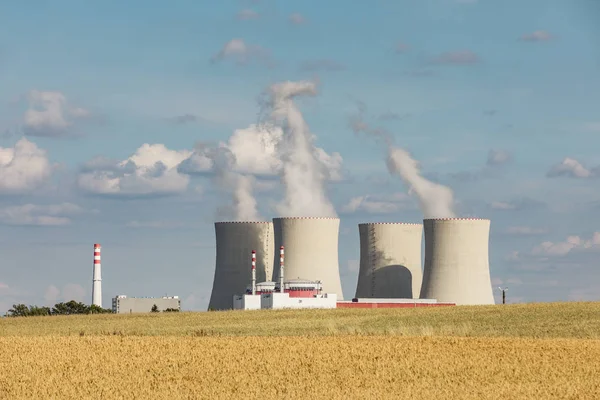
{"points": [[97, 286], [281, 269], [253, 272]]}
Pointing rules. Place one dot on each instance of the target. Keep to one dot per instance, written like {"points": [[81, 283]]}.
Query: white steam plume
{"points": [[435, 200], [303, 174], [240, 186]]}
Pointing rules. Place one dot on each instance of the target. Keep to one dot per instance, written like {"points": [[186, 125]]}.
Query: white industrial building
{"points": [[234, 242], [127, 305], [456, 261], [311, 246], [390, 260]]}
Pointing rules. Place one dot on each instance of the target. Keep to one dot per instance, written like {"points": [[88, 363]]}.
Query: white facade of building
{"points": [[277, 300], [127, 305], [246, 302], [390, 260], [456, 261], [235, 242], [311, 251]]}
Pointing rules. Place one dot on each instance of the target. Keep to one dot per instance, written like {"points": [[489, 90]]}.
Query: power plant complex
{"points": [[456, 269]]}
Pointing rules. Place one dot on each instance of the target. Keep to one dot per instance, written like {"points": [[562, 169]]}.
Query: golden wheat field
{"points": [[536, 351]]}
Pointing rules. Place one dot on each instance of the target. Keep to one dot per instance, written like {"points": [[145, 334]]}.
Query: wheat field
{"points": [[537, 351]]}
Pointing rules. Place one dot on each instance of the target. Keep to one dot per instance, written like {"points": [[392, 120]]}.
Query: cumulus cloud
{"points": [[571, 168], [377, 204], [571, 244], [151, 170], [50, 115], [536, 36], [242, 53], [23, 167], [525, 231], [40, 215], [184, 119], [498, 157], [297, 19], [322, 65], [523, 203], [461, 57], [247, 14], [70, 291]]}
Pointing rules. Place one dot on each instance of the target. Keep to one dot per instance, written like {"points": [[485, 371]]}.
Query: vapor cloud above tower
{"points": [[435, 200], [304, 172]]}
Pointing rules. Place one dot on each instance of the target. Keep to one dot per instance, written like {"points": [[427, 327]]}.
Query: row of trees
{"points": [[68, 308]]}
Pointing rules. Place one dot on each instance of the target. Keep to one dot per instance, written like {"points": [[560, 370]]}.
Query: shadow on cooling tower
{"points": [[385, 280]]}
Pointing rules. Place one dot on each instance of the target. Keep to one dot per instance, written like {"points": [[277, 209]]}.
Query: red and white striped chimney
{"points": [[97, 280], [281, 269], [253, 272]]}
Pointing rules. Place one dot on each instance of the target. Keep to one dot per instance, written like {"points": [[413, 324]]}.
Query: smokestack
{"points": [[281, 269], [253, 272], [97, 280]]}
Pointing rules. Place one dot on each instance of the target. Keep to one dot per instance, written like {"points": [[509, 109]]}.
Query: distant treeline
{"points": [[68, 308]]}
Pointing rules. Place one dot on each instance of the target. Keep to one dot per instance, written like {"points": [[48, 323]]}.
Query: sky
{"points": [[139, 125]]}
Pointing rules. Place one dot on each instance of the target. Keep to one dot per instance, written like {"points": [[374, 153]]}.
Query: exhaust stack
{"points": [[281, 269], [97, 278], [253, 272]]}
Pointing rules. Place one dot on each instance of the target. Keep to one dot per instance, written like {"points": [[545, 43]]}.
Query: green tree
{"points": [[69, 308], [154, 308], [21, 310], [94, 309]]}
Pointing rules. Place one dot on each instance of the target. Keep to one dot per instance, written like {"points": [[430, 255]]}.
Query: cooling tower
{"points": [[311, 251], [456, 261], [233, 273], [390, 260]]}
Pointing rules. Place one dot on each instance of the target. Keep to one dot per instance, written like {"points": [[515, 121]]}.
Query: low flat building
{"points": [[127, 305]]}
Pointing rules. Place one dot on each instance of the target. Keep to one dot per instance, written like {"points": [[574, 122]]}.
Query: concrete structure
{"points": [[456, 261], [125, 305], [246, 302], [391, 303], [97, 277], [278, 300], [311, 250], [235, 242], [390, 260]]}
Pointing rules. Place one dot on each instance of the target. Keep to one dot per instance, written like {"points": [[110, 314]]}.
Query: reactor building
{"points": [[390, 260], [234, 241], [311, 251], [457, 261]]}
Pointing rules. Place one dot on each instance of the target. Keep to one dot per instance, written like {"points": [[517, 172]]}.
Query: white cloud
{"points": [[518, 204], [572, 168], [572, 243], [242, 53], [536, 36], [50, 115], [297, 19], [247, 14], [460, 57], [498, 157], [353, 266], [255, 150], [525, 230], [151, 170], [23, 167], [154, 224], [40, 215], [373, 204], [70, 291]]}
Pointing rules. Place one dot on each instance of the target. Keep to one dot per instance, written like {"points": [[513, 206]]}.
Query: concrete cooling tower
{"points": [[235, 242], [456, 261], [311, 250], [390, 260]]}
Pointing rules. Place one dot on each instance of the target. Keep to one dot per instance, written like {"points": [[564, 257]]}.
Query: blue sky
{"points": [[452, 80]]}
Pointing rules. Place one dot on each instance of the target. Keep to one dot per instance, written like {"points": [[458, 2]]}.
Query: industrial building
{"points": [[311, 246], [456, 261], [234, 242], [390, 260], [126, 305]]}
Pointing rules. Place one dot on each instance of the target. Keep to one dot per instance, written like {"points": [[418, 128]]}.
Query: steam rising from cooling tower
{"points": [[435, 200], [240, 186], [303, 175]]}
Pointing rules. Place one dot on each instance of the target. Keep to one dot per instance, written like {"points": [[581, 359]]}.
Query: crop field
{"points": [[534, 351]]}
